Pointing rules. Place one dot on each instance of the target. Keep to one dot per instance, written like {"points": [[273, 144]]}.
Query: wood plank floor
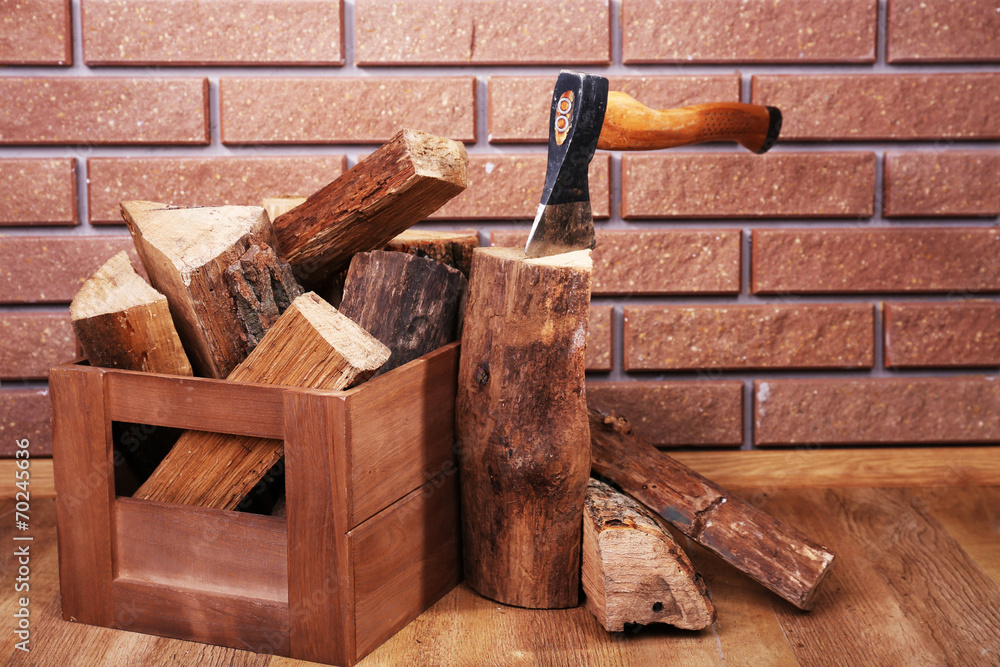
{"points": [[916, 583]]}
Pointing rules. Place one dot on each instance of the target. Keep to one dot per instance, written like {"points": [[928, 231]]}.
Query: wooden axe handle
{"points": [[629, 125]]}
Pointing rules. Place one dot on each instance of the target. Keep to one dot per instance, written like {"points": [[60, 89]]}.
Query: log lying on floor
{"points": [[122, 322], [311, 345], [778, 556], [522, 425], [411, 304], [404, 181], [633, 570], [451, 248], [218, 269], [275, 206]]}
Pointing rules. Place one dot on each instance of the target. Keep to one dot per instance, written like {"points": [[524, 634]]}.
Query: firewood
{"points": [[522, 425], [311, 345], [778, 556], [275, 206], [218, 269], [404, 181], [122, 322], [410, 303], [633, 570], [452, 248]]}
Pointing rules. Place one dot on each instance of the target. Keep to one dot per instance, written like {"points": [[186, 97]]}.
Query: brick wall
{"points": [[842, 289]]}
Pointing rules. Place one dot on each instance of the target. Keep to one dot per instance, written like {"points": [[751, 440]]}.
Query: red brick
{"points": [[34, 341], [724, 31], [222, 32], [600, 339], [876, 260], [676, 414], [959, 105], [877, 411], [98, 110], [35, 32], [658, 261], [943, 31], [24, 413], [519, 105], [725, 185], [942, 184], [50, 269], [500, 32], [509, 187], [218, 181], [345, 110], [38, 191], [964, 333], [749, 336]]}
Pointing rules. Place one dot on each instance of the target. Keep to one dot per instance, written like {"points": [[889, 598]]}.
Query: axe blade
{"points": [[564, 221]]}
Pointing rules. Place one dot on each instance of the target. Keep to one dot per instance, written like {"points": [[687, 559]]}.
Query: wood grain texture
{"points": [[775, 554], [521, 422], [633, 570], [453, 248], [121, 322], [411, 304], [404, 181]]}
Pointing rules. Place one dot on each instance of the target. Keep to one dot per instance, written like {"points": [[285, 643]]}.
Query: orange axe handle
{"points": [[629, 125]]}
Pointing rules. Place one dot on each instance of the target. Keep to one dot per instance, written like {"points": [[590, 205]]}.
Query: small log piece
{"points": [[633, 570], [522, 425], [311, 345], [218, 269], [122, 322], [275, 206], [404, 181], [778, 556], [411, 304], [451, 248]]}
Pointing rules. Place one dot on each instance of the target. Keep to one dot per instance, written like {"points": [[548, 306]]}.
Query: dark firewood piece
{"points": [[452, 248], [778, 556], [522, 425], [404, 181], [633, 570], [263, 287], [409, 303]]}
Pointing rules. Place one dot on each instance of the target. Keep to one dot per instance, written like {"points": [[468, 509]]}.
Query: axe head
{"points": [[564, 221]]}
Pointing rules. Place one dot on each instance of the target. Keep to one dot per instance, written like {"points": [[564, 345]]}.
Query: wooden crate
{"points": [[371, 537]]}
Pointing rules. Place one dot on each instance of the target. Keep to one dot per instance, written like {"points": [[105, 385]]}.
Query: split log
{"points": [[411, 304], [522, 425], [778, 556], [122, 322], [275, 206], [404, 181], [633, 570], [220, 274], [311, 345], [451, 248]]}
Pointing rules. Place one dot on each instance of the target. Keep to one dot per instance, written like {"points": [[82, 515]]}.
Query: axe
{"points": [[585, 117]]}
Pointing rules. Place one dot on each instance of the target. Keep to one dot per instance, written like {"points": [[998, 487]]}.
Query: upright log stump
{"points": [[521, 421]]}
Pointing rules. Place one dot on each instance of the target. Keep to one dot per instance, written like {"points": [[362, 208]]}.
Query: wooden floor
{"points": [[916, 583]]}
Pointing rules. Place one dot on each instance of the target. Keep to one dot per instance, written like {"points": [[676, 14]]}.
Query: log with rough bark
{"points": [[409, 303], [122, 322], [404, 181], [633, 570], [453, 248], [219, 271], [311, 345], [522, 425], [770, 552]]}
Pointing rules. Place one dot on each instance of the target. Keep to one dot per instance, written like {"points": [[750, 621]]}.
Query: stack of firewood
{"points": [[236, 294]]}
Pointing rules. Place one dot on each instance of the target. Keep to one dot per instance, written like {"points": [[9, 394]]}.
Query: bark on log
{"points": [[122, 322], [411, 304], [218, 269], [401, 183], [522, 425], [778, 556], [451, 248], [633, 570], [311, 345]]}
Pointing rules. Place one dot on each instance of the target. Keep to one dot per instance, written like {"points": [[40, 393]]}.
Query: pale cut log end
{"points": [[437, 157], [113, 288], [579, 260], [633, 570], [275, 206]]}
